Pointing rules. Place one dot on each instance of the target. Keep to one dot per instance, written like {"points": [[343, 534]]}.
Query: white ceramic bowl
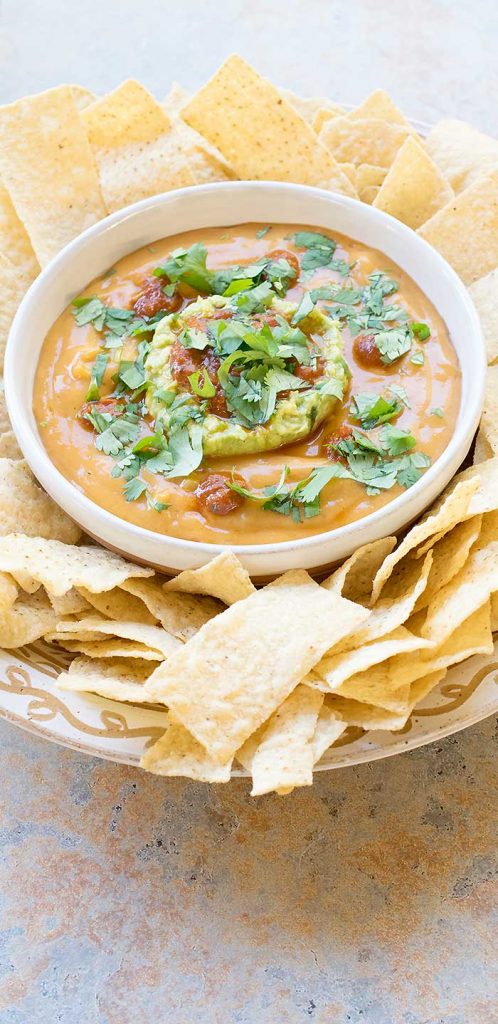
{"points": [[222, 205]]}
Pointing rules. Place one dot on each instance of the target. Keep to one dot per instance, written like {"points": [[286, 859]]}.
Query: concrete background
{"points": [[369, 899]]}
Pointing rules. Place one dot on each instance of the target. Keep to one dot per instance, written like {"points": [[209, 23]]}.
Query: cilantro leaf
{"points": [[371, 410], [392, 344], [306, 306], [98, 370], [201, 384], [421, 331], [395, 441], [417, 358], [134, 489], [185, 446]]}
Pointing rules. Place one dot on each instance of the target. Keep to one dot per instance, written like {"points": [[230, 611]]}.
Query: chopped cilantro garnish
{"points": [[438, 412], [371, 410], [393, 343], [190, 267], [417, 357], [201, 384], [306, 306], [134, 489], [98, 371], [395, 441]]}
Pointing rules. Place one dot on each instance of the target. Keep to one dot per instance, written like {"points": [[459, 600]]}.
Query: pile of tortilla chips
{"points": [[268, 679]]}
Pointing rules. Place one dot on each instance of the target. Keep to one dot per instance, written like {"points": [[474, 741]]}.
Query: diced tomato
{"points": [[110, 405], [215, 496], [183, 362], [366, 353], [310, 373], [284, 254], [343, 433], [152, 299]]}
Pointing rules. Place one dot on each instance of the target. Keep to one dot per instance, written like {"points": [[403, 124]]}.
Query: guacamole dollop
{"points": [[254, 381]]}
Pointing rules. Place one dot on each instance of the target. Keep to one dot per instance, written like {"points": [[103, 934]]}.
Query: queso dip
{"points": [[247, 385]]}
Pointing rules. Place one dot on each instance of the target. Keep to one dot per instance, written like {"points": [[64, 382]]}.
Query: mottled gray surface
{"points": [[370, 899]]}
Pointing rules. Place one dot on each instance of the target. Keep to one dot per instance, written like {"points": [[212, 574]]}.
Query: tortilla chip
{"points": [[485, 496], [334, 669], [464, 594], [449, 555], [353, 579], [9, 448], [175, 99], [379, 105], [160, 643], [82, 97], [26, 582], [135, 147], [115, 679], [369, 717], [114, 648], [488, 430], [329, 727], [224, 578], [117, 604], [60, 566], [205, 161], [71, 603], [368, 177], [14, 283], [308, 106], [446, 513], [484, 294], [414, 189], [182, 615], [14, 239], [462, 152], [324, 114], [178, 753], [385, 684], [473, 215], [48, 168], [4, 416], [258, 132], [398, 600], [8, 592], [219, 692], [27, 620], [25, 507], [368, 141], [284, 757]]}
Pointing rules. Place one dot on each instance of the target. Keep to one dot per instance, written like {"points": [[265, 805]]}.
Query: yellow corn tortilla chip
{"points": [[464, 594], [462, 152], [482, 449], [114, 648], [9, 448], [205, 161], [368, 141], [472, 215], [379, 105], [393, 608], [224, 578], [14, 239], [61, 566], [484, 294], [14, 283], [116, 679], [369, 194], [48, 168], [388, 685], [414, 188], [485, 496], [4, 416], [72, 603], [494, 612], [334, 669], [368, 174], [324, 114], [182, 615], [175, 99], [369, 717], [27, 583], [26, 620], [92, 627], [8, 592], [448, 556], [351, 171], [81, 96], [329, 727], [259, 133], [117, 604], [446, 513], [26, 508], [488, 429], [178, 753], [219, 693], [284, 757], [135, 147], [309, 106], [353, 579]]}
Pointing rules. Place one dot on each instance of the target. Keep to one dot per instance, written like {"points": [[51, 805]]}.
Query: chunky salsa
{"points": [[250, 384]]}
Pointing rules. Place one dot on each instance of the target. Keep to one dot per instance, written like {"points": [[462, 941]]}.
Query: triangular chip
{"points": [[221, 694], [448, 556], [117, 604], [117, 679], [182, 615], [205, 161], [62, 566], [24, 507], [334, 669], [488, 429], [224, 577], [308, 106], [380, 105], [414, 188], [178, 753], [354, 578], [260, 134], [285, 755], [29, 618], [473, 215], [462, 152], [484, 294], [48, 168], [92, 627], [175, 99], [9, 448], [14, 283], [369, 141], [134, 143], [463, 595], [14, 239], [329, 727]]}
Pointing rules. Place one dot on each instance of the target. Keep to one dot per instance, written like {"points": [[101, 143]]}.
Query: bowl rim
{"points": [[41, 463]]}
